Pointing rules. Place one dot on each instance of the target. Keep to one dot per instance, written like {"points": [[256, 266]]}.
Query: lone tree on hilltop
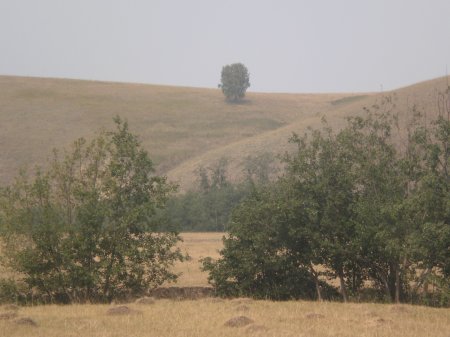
{"points": [[234, 81]]}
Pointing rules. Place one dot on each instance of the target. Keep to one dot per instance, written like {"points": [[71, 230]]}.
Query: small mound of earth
{"points": [[122, 310], [25, 321], [8, 315], [242, 307], [256, 328], [239, 321], [145, 300], [313, 315]]}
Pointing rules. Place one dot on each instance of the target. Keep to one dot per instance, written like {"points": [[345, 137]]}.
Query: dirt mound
{"points": [[313, 315], [8, 315], [239, 321], [145, 300], [122, 310], [182, 293], [25, 321]]}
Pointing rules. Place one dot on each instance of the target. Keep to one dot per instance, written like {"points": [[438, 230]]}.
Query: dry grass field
{"points": [[197, 246], [217, 317]]}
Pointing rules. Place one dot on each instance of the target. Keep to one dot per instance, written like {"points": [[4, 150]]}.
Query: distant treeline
{"points": [[208, 206]]}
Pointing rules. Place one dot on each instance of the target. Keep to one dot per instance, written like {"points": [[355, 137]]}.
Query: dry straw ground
{"points": [[217, 317]]}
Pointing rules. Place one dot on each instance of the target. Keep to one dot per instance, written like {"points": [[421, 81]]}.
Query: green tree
{"points": [[235, 81], [84, 229], [267, 253]]}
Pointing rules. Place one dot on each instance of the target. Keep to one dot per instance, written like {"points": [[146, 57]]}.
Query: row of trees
{"points": [[351, 206]]}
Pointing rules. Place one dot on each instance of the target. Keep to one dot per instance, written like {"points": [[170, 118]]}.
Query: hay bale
{"points": [[122, 310], [313, 315], [145, 300], [239, 321], [8, 315], [25, 321]]}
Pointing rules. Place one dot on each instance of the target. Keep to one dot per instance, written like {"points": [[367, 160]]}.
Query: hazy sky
{"points": [[288, 46]]}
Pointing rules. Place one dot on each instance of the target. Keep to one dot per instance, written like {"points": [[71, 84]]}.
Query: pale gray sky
{"points": [[288, 46]]}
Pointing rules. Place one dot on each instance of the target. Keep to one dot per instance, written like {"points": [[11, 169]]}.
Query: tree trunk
{"points": [[342, 286], [316, 281], [397, 284]]}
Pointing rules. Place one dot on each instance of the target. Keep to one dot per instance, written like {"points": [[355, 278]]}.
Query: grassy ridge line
{"points": [[174, 123], [422, 96]]}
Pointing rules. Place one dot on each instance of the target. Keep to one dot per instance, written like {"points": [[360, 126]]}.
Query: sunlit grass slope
{"points": [[182, 128], [174, 123]]}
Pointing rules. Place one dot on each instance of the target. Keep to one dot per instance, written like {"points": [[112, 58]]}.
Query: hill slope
{"points": [[181, 128]]}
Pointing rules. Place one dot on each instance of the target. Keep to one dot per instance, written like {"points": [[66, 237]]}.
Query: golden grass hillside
{"points": [[182, 128], [175, 124], [217, 317]]}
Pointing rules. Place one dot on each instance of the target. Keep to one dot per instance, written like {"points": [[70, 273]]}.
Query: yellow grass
{"points": [[207, 318], [197, 246]]}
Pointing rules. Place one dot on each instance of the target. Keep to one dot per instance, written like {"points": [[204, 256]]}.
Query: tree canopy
{"points": [[235, 80]]}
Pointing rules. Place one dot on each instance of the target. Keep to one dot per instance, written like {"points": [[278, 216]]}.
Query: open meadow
{"points": [[218, 317]]}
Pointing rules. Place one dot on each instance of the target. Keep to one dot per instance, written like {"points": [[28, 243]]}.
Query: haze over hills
{"points": [[182, 128]]}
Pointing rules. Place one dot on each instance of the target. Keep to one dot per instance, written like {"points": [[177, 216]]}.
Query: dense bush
{"points": [[84, 229]]}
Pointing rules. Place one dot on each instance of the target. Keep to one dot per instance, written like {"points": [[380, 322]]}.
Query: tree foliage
{"points": [[354, 203], [84, 229], [235, 80]]}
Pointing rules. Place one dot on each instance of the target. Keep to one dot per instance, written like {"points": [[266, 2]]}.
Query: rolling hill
{"points": [[182, 128]]}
